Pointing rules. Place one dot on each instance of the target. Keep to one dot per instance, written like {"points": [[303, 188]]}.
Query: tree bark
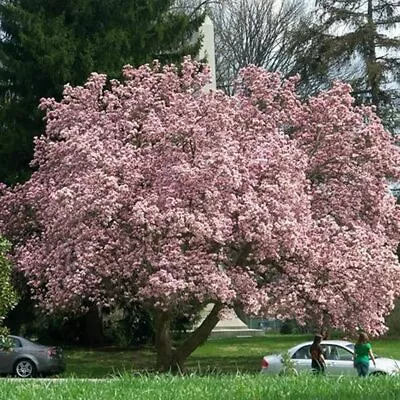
{"points": [[197, 337], [326, 326], [91, 333], [373, 70], [171, 359], [163, 343]]}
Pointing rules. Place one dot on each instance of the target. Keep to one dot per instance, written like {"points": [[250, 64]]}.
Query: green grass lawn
{"points": [[220, 369], [216, 355], [212, 387]]}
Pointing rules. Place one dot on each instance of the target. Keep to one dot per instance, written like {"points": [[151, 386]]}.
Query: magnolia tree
{"points": [[155, 191]]}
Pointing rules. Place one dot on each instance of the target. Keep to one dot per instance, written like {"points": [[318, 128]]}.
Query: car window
{"points": [[9, 342], [328, 351], [15, 342], [344, 354], [333, 352], [303, 353]]}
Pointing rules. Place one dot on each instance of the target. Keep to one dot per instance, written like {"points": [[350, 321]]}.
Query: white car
{"points": [[339, 360]]}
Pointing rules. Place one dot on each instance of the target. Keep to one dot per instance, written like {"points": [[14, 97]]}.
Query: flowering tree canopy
{"points": [[155, 191]]}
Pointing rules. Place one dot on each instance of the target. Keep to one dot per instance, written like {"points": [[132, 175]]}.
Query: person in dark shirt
{"points": [[317, 358]]}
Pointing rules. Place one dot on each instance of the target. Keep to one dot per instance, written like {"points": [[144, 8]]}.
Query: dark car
{"points": [[25, 359]]}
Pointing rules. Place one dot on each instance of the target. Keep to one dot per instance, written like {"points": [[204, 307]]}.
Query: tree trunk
{"points": [[326, 326], [197, 337], [163, 343], [373, 68], [173, 360], [91, 333]]}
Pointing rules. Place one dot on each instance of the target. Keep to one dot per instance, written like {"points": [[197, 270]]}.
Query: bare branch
{"points": [[254, 32]]}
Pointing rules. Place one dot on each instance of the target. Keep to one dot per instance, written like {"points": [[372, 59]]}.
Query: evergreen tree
{"points": [[357, 33], [47, 43]]}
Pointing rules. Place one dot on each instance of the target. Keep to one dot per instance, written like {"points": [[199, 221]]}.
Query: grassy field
{"points": [[230, 387], [218, 370], [217, 355]]}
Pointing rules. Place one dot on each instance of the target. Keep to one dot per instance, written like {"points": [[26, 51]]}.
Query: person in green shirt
{"points": [[362, 355]]}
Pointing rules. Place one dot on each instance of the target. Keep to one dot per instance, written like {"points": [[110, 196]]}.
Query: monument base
{"points": [[230, 325]]}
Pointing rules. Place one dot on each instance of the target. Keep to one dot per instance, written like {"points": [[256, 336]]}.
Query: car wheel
{"points": [[25, 368], [378, 373]]}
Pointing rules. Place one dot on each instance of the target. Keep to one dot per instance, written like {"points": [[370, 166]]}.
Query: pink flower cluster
{"points": [[153, 190]]}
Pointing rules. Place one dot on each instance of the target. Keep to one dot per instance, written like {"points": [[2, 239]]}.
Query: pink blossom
{"points": [[156, 191]]}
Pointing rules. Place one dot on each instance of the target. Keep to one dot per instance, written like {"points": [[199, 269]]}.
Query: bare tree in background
{"points": [[259, 32], [273, 34]]}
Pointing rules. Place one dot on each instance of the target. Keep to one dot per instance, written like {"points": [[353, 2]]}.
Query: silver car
{"points": [[339, 360], [25, 359]]}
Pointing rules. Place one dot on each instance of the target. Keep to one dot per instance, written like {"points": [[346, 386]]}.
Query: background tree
{"points": [[261, 33], [154, 192], [362, 34], [47, 43], [8, 297]]}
